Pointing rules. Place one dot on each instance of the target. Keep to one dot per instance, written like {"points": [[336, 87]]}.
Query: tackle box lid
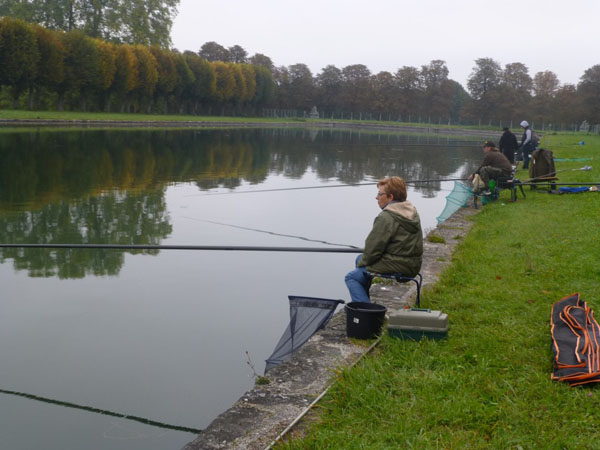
{"points": [[418, 318]]}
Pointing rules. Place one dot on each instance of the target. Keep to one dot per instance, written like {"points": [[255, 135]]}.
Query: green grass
{"points": [[75, 115], [488, 385], [435, 238]]}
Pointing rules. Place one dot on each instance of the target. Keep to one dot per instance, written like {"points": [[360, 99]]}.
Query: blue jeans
{"points": [[526, 155], [359, 282]]}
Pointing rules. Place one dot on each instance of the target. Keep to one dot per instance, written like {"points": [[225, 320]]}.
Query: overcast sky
{"points": [[561, 36]]}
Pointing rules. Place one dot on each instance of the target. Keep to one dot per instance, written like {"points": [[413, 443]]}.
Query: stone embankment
{"points": [[266, 412]]}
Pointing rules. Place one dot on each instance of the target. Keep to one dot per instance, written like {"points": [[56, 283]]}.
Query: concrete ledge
{"points": [[260, 415]]}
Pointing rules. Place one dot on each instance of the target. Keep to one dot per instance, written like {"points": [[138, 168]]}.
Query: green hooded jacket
{"points": [[395, 244]]}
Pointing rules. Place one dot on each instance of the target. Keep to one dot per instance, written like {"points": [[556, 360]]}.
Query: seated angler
{"points": [[394, 245], [494, 165]]}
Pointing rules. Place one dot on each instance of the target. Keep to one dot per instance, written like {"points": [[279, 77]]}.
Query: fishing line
{"points": [[269, 232], [320, 187], [105, 412]]}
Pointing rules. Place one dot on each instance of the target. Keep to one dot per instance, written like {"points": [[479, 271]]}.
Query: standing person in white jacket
{"points": [[526, 146]]}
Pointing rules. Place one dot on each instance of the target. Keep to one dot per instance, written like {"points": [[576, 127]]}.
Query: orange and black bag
{"points": [[575, 342]]}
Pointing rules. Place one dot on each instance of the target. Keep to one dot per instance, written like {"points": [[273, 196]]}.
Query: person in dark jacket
{"points": [[494, 165], [508, 145], [394, 245]]}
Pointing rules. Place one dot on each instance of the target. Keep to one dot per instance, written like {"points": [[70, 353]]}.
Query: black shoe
{"points": [[485, 193]]}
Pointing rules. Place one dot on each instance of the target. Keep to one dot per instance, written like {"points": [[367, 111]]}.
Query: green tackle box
{"points": [[417, 323]]}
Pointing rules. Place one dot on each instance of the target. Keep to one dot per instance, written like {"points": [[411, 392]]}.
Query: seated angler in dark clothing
{"points": [[494, 165]]}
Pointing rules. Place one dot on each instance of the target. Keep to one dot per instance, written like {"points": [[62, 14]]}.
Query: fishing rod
{"points": [[105, 412], [406, 144], [188, 247], [269, 232], [437, 180], [591, 183], [551, 174]]}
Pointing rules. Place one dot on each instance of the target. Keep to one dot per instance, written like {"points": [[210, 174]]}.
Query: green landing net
{"points": [[455, 200]]}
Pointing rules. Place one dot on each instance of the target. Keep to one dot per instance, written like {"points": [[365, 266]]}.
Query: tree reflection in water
{"points": [[108, 186]]}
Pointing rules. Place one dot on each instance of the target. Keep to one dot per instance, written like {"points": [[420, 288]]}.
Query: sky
{"points": [[384, 35]]}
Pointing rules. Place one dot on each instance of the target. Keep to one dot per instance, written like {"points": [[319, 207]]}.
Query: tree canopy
{"points": [[145, 22], [74, 70]]}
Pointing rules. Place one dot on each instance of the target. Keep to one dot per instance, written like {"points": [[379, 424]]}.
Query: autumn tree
{"points": [[328, 84], [19, 56], [408, 80], [483, 85], [237, 54], [107, 56], [545, 85], [225, 82], [265, 86], [126, 76], [514, 92], [300, 87], [50, 71], [147, 77], [240, 89], [589, 92], [204, 87], [356, 88], [185, 80], [249, 75], [82, 68], [385, 94], [437, 90], [167, 76], [259, 59], [567, 106], [459, 98], [211, 51]]}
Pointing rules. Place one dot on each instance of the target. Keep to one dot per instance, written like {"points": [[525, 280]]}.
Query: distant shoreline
{"points": [[111, 123]]}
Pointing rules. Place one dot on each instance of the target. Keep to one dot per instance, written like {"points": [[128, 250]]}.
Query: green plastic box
{"points": [[416, 324]]}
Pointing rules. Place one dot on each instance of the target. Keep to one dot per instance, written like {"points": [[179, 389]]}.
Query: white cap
{"points": [[524, 124]]}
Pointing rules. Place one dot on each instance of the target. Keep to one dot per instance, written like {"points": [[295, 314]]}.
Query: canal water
{"points": [[175, 337]]}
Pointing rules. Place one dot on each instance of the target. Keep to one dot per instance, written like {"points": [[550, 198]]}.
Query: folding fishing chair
{"points": [[502, 183]]}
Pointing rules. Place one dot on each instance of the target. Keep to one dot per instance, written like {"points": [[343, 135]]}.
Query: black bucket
{"points": [[364, 320]]}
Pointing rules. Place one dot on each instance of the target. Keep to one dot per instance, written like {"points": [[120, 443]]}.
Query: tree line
{"points": [[493, 92], [42, 68], [58, 69]]}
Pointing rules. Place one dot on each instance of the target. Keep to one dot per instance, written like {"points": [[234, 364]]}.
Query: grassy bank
{"points": [[75, 115], [488, 385]]}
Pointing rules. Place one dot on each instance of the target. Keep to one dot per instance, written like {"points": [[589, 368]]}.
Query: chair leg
{"points": [[418, 282]]}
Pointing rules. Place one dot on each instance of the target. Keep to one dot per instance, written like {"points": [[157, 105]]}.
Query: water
{"points": [[164, 335]]}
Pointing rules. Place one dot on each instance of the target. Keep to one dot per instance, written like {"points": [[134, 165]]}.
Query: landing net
{"points": [[307, 316], [455, 200]]}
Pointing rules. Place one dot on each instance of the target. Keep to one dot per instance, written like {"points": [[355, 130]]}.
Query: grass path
{"points": [[488, 385]]}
